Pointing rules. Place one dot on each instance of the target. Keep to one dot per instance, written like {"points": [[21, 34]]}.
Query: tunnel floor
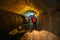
{"points": [[34, 35], [39, 35]]}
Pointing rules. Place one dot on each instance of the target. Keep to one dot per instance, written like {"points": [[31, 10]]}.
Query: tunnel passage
{"points": [[49, 22], [29, 15], [50, 28], [45, 24]]}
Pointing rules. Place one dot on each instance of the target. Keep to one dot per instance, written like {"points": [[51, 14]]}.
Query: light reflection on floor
{"points": [[39, 35]]}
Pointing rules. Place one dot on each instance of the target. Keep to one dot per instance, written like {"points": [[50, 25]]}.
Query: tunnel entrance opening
{"points": [[29, 15], [29, 12]]}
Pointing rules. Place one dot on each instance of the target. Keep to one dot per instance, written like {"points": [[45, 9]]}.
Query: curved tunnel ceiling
{"points": [[18, 6]]}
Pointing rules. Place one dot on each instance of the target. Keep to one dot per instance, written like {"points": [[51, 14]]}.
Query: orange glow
{"points": [[26, 8]]}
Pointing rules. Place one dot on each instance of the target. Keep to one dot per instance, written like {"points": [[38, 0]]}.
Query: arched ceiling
{"points": [[18, 6]]}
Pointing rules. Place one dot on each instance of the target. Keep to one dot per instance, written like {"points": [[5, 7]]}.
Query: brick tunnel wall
{"points": [[50, 21], [55, 22]]}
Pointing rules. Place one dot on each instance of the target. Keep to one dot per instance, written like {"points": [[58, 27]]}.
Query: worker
{"points": [[34, 21]]}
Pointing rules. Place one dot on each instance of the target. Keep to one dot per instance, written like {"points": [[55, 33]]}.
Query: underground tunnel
{"points": [[15, 14]]}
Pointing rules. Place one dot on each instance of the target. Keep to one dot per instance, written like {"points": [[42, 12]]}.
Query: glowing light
{"points": [[28, 14]]}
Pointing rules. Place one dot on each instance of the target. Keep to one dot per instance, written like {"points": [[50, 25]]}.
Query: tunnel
{"points": [[16, 23]]}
